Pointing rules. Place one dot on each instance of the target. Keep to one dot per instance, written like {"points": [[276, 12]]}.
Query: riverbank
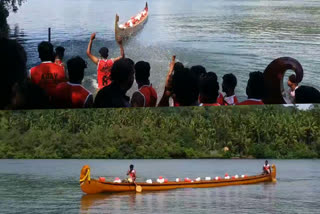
{"points": [[195, 132]]}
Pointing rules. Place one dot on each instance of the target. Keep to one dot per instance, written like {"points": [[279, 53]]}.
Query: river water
{"points": [[52, 186], [225, 36]]}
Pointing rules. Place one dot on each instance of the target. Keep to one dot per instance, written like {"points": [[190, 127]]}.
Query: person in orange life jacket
{"points": [[209, 89], [255, 89], [72, 94], [16, 91], [307, 95], [132, 174], [266, 168], [293, 85], [146, 96], [114, 95], [59, 56], [228, 86], [48, 74], [104, 64]]}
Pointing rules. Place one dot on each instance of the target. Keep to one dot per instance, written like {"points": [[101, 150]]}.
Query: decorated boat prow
{"points": [[132, 26], [94, 186]]}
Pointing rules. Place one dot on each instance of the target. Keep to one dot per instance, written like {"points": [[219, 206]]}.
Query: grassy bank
{"points": [[259, 132]]}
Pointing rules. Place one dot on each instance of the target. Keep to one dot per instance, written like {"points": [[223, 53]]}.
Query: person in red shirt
{"points": [[228, 87], [132, 174], [146, 96], [255, 89], [59, 56], [48, 74], [72, 94], [209, 89], [266, 168], [104, 64]]}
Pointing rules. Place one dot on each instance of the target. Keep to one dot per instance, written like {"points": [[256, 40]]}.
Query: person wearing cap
{"points": [[104, 64], [72, 94], [132, 174]]}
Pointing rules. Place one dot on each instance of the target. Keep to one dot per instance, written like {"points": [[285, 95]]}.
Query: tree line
{"points": [[270, 131]]}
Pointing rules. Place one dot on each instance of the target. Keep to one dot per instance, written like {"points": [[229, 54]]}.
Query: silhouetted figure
{"points": [[104, 64], [16, 92], [293, 85], [185, 88], [228, 87], [72, 94], [255, 89], [307, 94], [209, 89], [59, 55], [146, 96], [48, 74], [114, 95]]}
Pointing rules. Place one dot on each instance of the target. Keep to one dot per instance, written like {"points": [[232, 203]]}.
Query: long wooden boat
{"points": [[93, 186], [124, 31]]}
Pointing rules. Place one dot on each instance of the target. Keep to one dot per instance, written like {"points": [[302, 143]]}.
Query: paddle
{"points": [[138, 187]]}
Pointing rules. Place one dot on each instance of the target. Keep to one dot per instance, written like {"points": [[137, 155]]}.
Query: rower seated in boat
{"points": [[266, 168], [131, 174]]}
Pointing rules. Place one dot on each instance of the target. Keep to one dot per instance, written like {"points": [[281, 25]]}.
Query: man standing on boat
{"points": [[104, 64], [132, 174], [266, 168]]}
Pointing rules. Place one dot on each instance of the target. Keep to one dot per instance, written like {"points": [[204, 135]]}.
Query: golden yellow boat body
{"points": [[93, 186]]}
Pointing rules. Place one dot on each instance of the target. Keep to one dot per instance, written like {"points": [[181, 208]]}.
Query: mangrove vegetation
{"points": [[185, 132]]}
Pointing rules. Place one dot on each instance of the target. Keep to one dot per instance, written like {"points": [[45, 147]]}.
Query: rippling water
{"points": [[52, 186], [237, 36]]}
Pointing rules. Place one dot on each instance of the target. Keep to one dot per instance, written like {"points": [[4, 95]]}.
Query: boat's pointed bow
{"points": [[274, 173], [84, 174]]}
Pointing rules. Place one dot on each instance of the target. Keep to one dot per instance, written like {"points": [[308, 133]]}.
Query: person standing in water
{"points": [[132, 174], [104, 64]]}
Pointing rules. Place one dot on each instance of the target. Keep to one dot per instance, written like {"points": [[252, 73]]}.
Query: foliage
{"points": [[185, 132]]}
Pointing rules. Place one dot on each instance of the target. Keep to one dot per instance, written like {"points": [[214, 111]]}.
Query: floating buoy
{"points": [[102, 179], [187, 180]]}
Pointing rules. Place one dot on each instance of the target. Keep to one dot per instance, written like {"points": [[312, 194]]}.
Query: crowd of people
{"points": [[55, 84]]}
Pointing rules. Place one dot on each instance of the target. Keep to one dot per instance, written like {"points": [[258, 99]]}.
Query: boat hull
{"points": [[124, 33], [94, 186]]}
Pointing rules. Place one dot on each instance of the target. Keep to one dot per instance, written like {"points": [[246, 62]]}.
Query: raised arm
{"points": [[93, 58], [121, 51], [168, 86]]}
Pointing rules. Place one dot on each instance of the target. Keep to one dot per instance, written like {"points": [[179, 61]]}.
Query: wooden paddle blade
{"points": [[138, 188]]}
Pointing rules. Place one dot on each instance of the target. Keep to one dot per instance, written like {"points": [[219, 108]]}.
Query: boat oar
{"points": [[138, 187]]}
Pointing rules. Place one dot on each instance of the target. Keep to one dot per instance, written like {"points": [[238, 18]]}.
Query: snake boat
{"points": [[93, 186]]}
